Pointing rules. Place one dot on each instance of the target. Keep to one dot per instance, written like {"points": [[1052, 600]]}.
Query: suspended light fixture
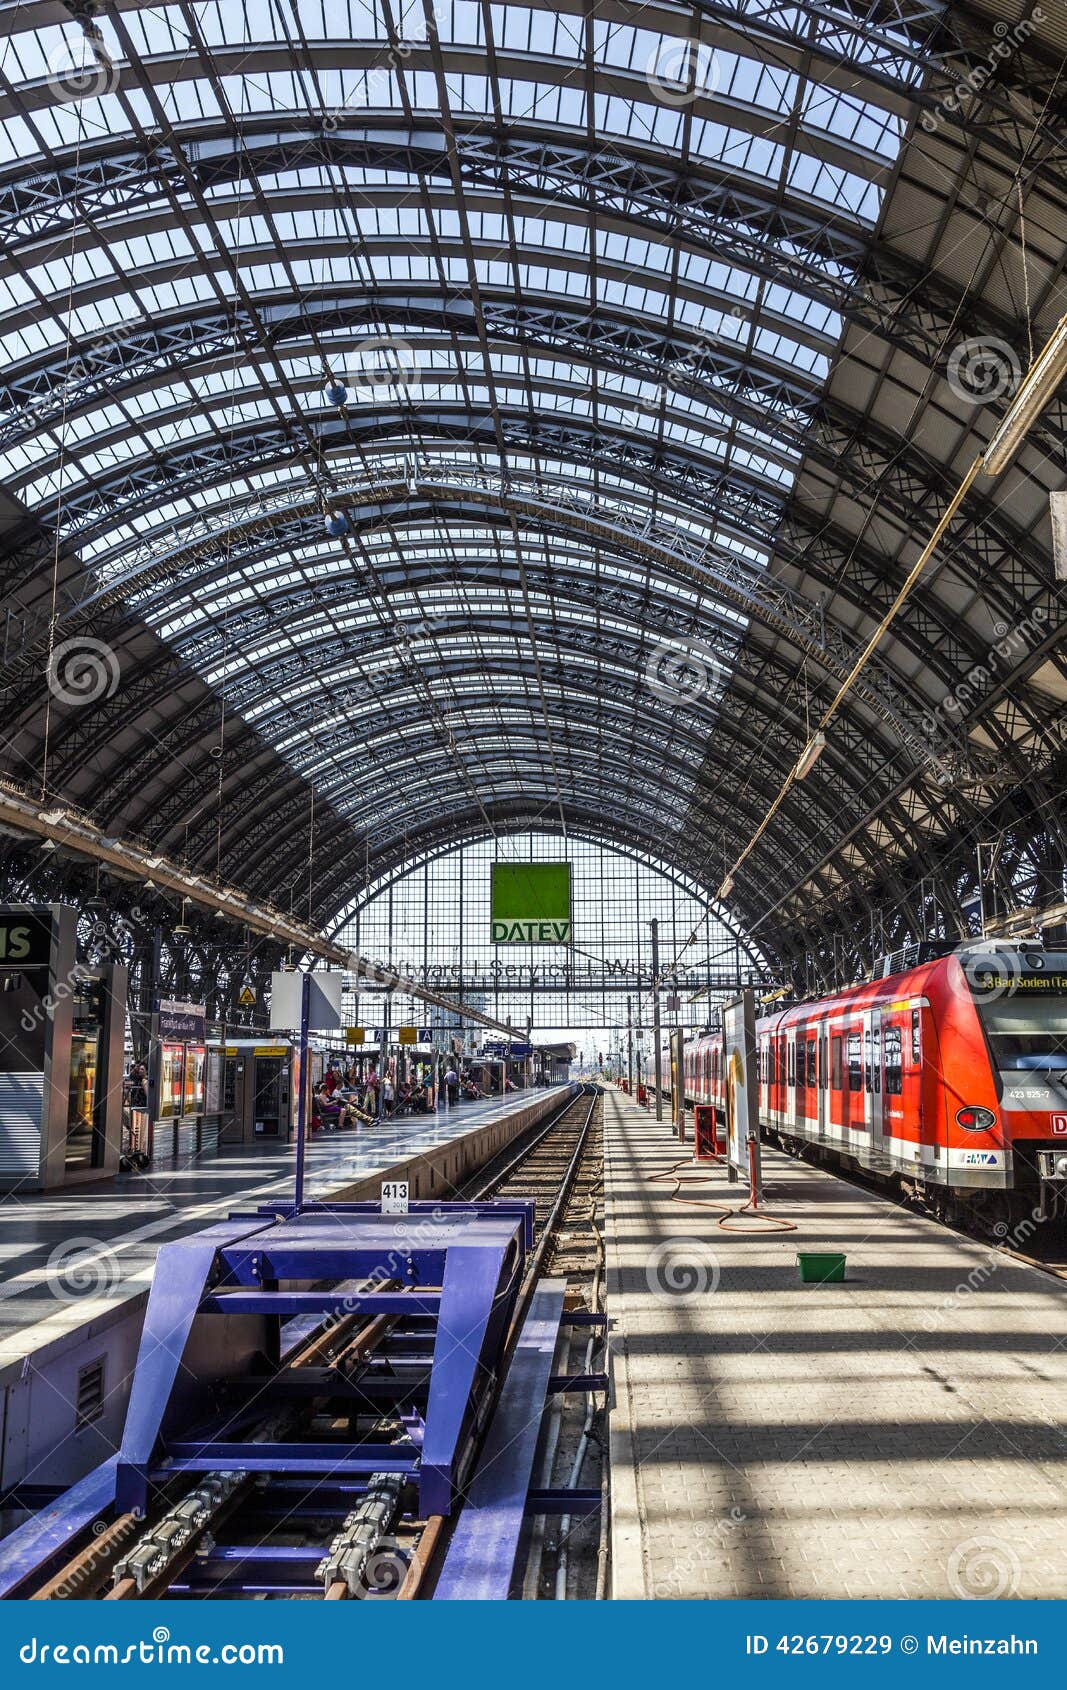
{"points": [[1038, 387], [336, 392], [810, 755], [727, 887], [336, 524]]}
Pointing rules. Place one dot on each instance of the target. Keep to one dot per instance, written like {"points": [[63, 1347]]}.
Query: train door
{"points": [[824, 1082], [791, 1078], [873, 1118]]}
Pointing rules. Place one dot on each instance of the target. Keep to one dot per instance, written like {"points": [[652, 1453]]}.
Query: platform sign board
{"points": [[181, 1023], [324, 1003], [530, 904], [355, 1035], [414, 1036], [26, 936], [742, 1091]]}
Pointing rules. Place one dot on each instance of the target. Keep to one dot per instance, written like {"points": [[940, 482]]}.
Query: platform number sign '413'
{"points": [[530, 904], [394, 1197]]}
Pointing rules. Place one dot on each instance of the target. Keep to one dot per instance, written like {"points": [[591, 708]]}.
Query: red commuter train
{"points": [[950, 1078]]}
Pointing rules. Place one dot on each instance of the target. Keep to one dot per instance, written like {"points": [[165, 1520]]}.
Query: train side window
{"points": [[809, 1066], [835, 1062], [916, 1039], [855, 1063], [893, 1057], [866, 1059], [792, 1070], [876, 1059]]}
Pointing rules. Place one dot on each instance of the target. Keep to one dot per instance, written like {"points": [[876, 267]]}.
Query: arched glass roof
{"points": [[543, 404]]}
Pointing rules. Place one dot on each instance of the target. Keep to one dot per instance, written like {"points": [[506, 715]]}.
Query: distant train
{"points": [[950, 1078]]}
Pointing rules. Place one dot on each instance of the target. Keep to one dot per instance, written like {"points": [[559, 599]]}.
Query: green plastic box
{"points": [[820, 1267]]}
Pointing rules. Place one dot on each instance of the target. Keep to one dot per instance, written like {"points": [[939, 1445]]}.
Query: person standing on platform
{"points": [[452, 1084], [370, 1095]]}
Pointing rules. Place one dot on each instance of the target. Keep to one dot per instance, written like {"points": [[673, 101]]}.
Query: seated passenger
{"points": [[329, 1108]]}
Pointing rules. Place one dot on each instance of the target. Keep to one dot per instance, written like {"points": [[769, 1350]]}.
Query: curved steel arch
{"points": [[843, 442], [158, 810], [710, 570], [810, 808], [737, 221], [947, 653], [892, 59], [857, 740]]}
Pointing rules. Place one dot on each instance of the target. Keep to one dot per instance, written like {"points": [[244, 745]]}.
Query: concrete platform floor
{"points": [[66, 1254], [899, 1435]]}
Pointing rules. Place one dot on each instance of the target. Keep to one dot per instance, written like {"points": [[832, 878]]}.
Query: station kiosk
{"points": [[258, 1088]]}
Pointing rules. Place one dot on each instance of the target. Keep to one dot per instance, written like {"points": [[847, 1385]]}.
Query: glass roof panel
{"points": [[703, 360]]}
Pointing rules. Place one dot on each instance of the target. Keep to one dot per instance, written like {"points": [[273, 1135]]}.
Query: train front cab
{"points": [[1005, 1059]]}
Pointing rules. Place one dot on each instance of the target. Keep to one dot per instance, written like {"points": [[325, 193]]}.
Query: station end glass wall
{"points": [[433, 922]]}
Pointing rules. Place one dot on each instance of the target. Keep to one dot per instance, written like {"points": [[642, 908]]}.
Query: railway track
{"points": [[278, 1537]]}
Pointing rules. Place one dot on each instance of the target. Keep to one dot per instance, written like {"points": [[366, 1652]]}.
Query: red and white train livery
{"points": [[951, 1076]]}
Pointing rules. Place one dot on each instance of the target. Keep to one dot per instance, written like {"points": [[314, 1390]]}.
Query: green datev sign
{"points": [[530, 904]]}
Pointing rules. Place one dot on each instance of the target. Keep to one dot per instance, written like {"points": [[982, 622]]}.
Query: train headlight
{"points": [[1059, 1168], [974, 1119]]}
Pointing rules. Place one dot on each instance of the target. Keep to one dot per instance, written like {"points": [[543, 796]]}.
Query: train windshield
{"points": [[1027, 1036]]}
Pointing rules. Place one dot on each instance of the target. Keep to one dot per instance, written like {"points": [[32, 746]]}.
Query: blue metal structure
{"points": [[213, 1338], [221, 1377], [482, 1555]]}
